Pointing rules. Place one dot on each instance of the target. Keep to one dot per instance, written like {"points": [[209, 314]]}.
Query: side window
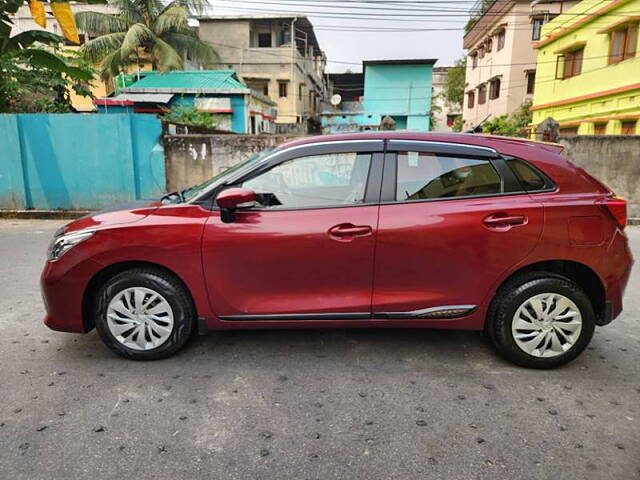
{"points": [[327, 180], [423, 176], [529, 177]]}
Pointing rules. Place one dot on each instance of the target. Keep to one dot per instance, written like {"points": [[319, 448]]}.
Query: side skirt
{"points": [[436, 313]]}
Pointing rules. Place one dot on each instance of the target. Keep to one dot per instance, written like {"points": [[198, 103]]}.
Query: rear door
{"points": [[451, 222], [306, 251]]}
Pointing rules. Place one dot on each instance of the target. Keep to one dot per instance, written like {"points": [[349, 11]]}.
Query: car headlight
{"points": [[66, 242]]}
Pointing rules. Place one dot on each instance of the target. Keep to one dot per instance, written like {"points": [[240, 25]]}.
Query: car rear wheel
{"points": [[540, 320], [144, 314]]}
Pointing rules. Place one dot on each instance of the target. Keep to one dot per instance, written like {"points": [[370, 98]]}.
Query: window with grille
{"points": [[494, 89], [629, 127], [482, 94], [623, 43], [531, 82], [536, 26], [570, 64], [600, 129], [569, 130], [282, 89], [264, 40], [501, 38]]}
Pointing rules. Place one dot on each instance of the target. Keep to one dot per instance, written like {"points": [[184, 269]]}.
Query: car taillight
{"points": [[617, 207]]}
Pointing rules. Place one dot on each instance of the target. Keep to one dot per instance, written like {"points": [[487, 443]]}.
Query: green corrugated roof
{"points": [[196, 81]]}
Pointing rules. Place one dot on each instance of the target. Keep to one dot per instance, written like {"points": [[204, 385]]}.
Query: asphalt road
{"points": [[308, 404]]}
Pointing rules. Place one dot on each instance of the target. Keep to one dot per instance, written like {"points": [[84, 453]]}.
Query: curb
{"points": [[633, 221], [43, 214]]}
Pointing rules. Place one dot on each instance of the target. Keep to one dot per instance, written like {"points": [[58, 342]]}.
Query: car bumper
{"points": [[619, 261], [63, 287]]}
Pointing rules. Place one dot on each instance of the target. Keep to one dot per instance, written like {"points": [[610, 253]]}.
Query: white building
{"points": [[501, 60], [442, 119]]}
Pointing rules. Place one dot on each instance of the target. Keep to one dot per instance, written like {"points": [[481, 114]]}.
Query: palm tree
{"points": [[143, 30]]}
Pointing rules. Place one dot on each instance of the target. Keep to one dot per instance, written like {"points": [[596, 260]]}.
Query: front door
{"points": [[447, 231], [306, 251]]}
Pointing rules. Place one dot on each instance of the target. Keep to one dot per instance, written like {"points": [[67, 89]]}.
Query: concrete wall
{"points": [[614, 160], [77, 162], [192, 159]]}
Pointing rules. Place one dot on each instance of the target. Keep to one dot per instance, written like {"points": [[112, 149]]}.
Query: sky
{"points": [[350, 31]]}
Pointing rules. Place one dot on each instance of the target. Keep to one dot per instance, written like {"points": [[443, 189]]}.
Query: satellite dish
{"points": [[335, 100]]}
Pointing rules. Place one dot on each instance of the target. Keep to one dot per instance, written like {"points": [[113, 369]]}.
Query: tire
{"points": [[165, 332], [514, 302]]}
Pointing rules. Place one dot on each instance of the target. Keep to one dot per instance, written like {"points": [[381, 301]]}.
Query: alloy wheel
{"points": [[140, 318], [547, 325]]}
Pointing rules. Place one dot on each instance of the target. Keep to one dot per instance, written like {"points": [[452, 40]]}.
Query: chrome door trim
{"points": [[298, 316], [444, 312]]}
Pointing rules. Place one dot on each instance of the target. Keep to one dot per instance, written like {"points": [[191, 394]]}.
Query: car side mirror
{"points": [[232, 199]]}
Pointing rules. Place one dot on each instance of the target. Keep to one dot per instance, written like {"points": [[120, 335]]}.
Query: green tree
{"points": [[457, 124], [435, 110], [27, 87], [513, 125], [143, 30], [454, 88]]}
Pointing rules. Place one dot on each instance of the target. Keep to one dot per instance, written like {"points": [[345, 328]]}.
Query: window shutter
{"points": [[560, 67], [632, 41]]}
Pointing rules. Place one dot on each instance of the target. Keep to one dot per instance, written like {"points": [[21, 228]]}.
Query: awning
{"points": [[620, 23], [570, 47], [130, 98]]}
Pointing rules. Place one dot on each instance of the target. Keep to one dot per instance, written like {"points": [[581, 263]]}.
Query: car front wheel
{"points": [[541, 320], [144, 314]]}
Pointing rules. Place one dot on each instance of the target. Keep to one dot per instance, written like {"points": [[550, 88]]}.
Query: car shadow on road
{"points": [[454, 350], [374, 346]]}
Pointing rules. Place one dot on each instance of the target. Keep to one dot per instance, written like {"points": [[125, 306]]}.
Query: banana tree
{"points": [[28, 43], [32, 54]]}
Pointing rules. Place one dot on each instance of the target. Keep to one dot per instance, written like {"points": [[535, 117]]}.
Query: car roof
{"points": [[501, 144]]}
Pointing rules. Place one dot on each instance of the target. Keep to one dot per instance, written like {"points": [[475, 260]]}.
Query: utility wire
{"points": [[257, 50], [385, 16]]}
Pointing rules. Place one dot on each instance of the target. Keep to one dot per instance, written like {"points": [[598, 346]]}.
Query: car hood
{"points": [[118, 214]]}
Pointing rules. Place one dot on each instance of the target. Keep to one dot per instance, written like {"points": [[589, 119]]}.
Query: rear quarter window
{"points": [[530, 178]]}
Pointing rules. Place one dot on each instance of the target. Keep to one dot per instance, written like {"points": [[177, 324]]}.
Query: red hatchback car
{"points": [[387, 229]]}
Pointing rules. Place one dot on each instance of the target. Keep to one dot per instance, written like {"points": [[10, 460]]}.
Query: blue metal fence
{"points": [[79, 161]]}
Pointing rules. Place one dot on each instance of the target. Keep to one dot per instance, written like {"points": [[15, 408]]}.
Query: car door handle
{"points": [[502, 222], [346, 231]]}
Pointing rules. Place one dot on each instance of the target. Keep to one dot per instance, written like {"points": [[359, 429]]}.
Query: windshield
{"points": [[193, 192]]}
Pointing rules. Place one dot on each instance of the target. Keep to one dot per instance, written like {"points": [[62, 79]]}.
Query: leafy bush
{"points": [[513, 125], [184, 115], [457, 124], [29, 87], [454, 88]]}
